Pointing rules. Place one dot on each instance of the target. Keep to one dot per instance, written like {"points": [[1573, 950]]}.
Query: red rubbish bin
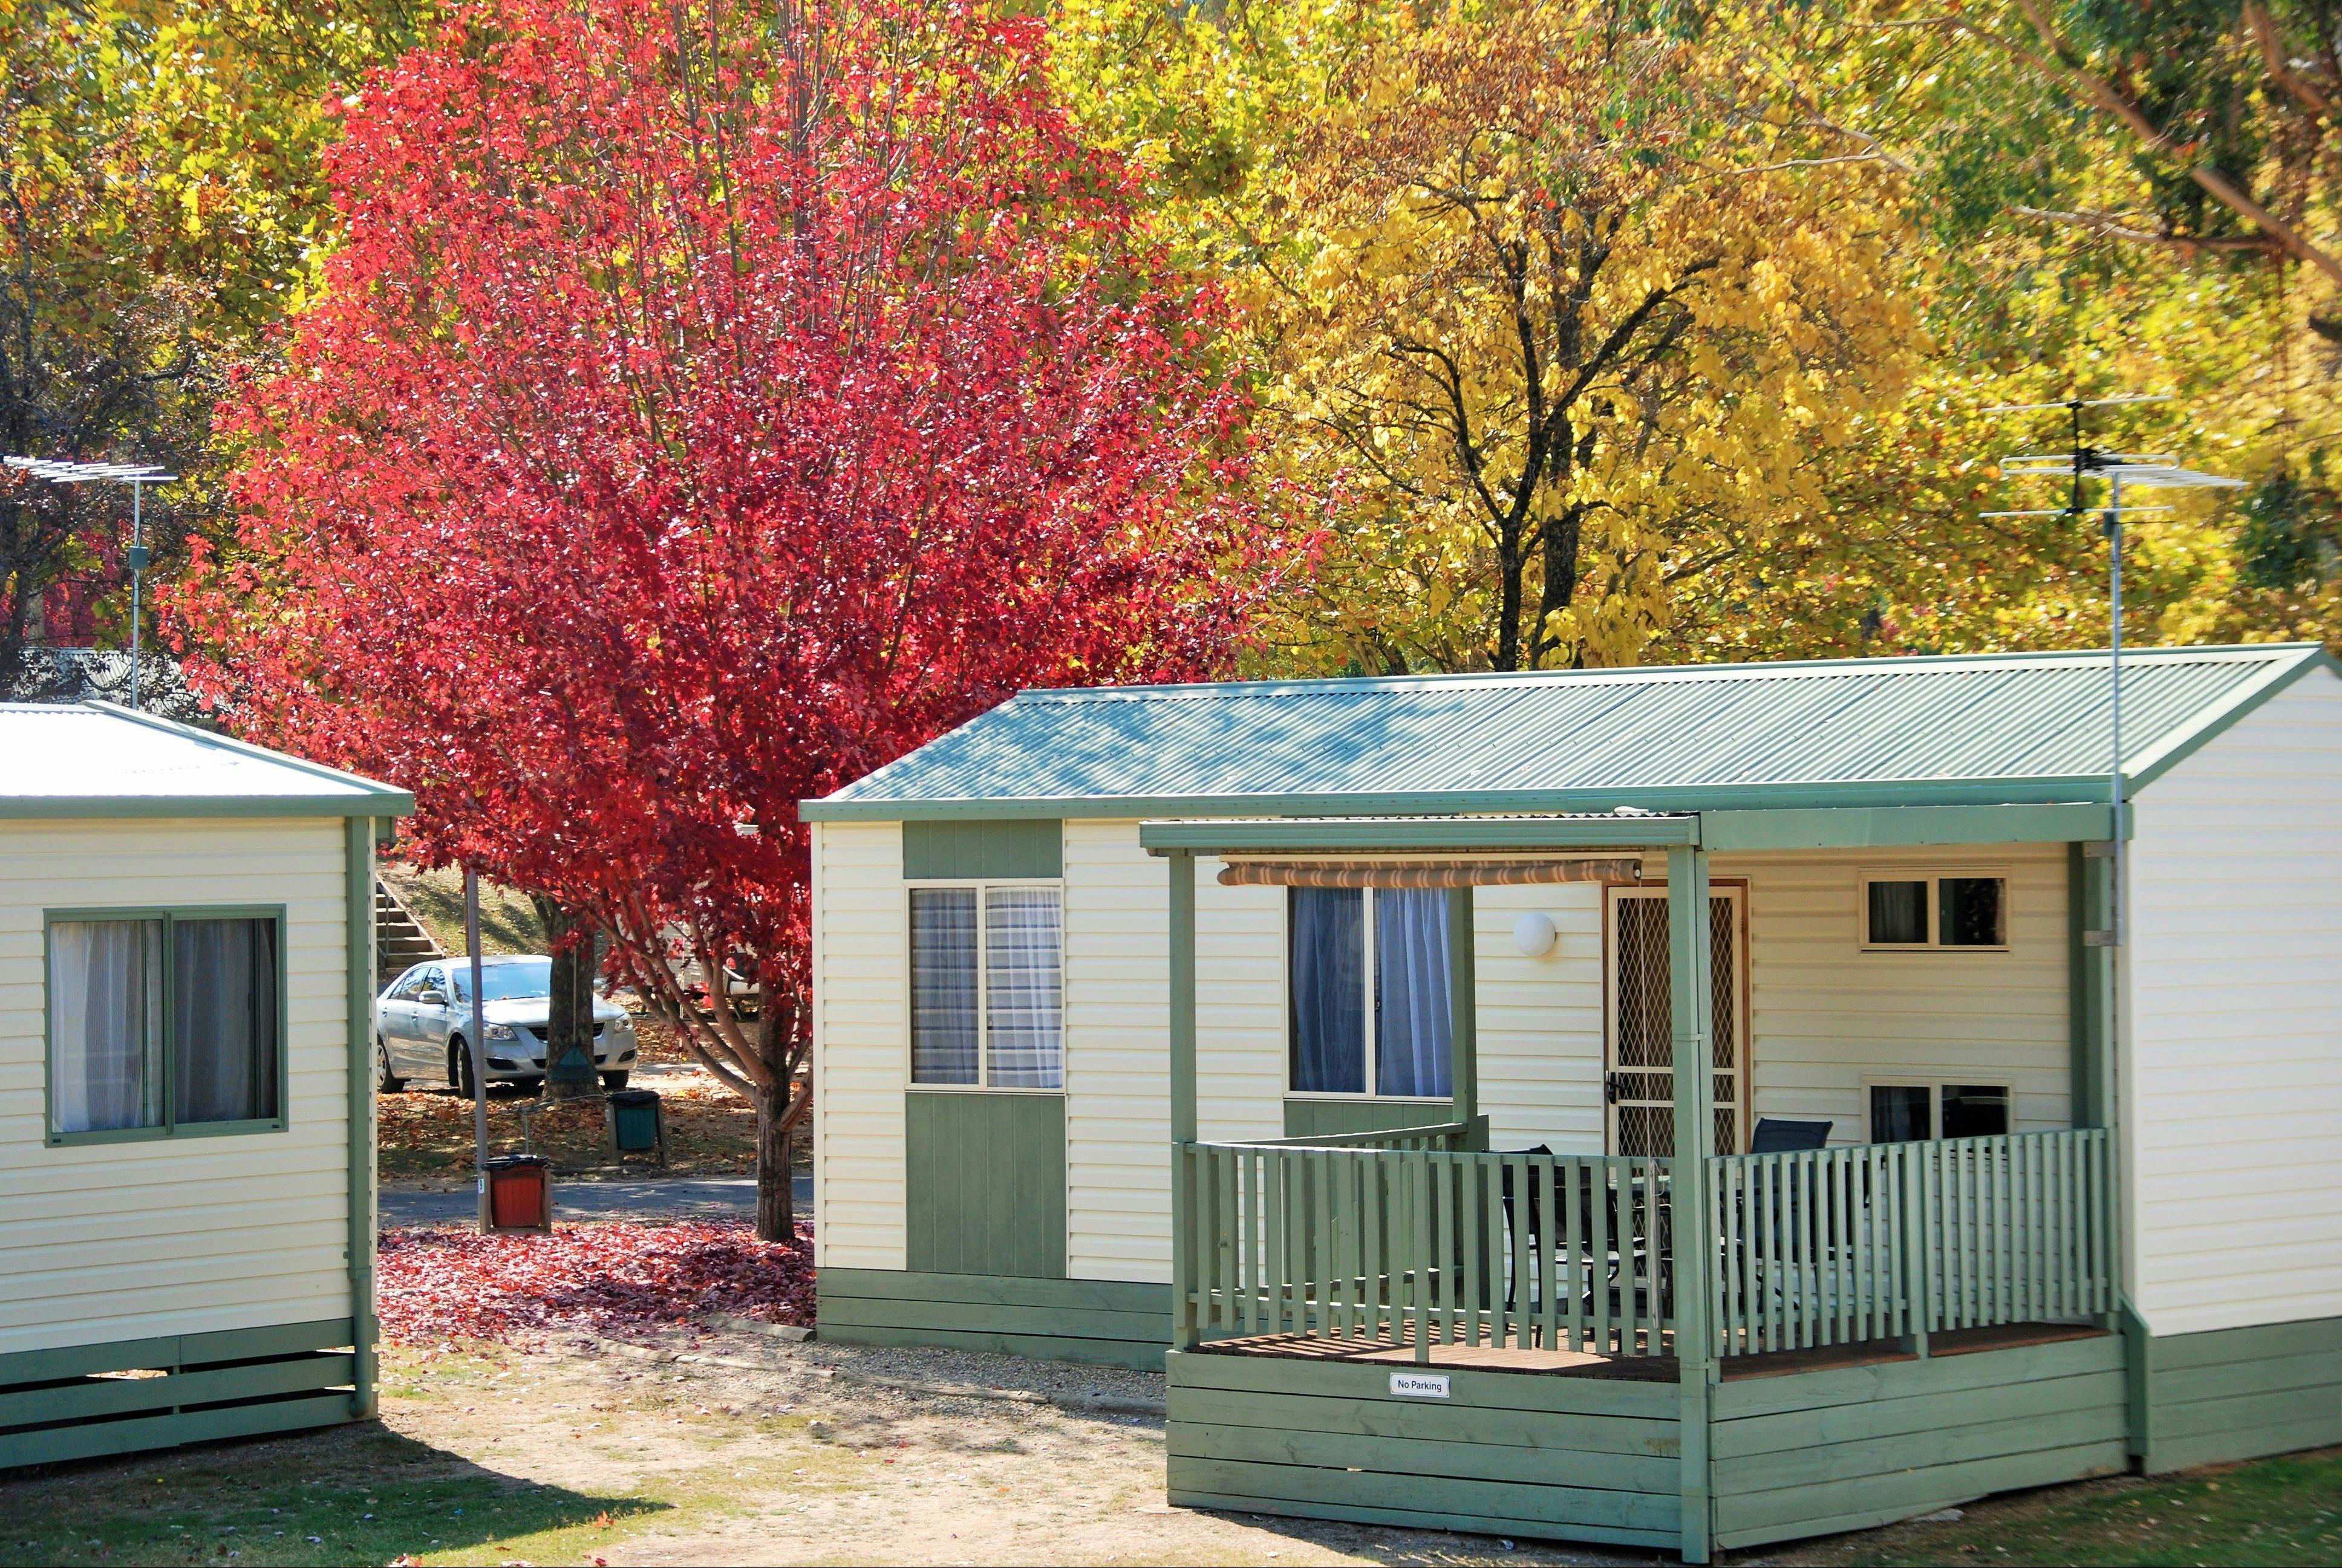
{"points": [[520, 1193]]}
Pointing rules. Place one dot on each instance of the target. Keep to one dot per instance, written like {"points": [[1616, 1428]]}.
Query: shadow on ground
{"points": [[358, 1493]]}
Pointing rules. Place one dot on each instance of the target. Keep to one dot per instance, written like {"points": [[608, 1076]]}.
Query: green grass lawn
{"points": [[2270, 1513], [361, 1494], [508, 922]]}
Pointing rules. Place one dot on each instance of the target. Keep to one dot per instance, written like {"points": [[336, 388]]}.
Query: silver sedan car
{"points": [[421, 1018]]}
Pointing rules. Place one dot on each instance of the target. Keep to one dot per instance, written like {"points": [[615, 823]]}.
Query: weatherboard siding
{"points": [[861, 1044], [111, 1242], [1826, 1015], [1117, 1039], [2233, 1044]]}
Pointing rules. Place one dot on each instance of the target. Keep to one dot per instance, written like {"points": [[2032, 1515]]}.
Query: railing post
{"points": [[1918, 1240], [1691, 1000], [1182, 865], [1463, 1023]]}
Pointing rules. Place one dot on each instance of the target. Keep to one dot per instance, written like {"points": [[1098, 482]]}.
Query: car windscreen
{"points": [[506, 982]]}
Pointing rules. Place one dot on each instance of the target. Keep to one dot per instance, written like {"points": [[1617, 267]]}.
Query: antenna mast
{"points": [[2143, 469]]}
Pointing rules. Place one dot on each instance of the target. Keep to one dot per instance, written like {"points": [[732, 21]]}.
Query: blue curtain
{"points": [[1328, 961], [1412, 1025]]}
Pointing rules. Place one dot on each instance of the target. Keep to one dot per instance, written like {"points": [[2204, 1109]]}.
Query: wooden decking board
{"points": [[1481, 1357], [1471, 1387], [1462, 1459], [1565, 1435], [1643, 1368]]}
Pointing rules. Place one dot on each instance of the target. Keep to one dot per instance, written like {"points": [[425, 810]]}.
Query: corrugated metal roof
{"points": [[64, 760], [1861, 731]]}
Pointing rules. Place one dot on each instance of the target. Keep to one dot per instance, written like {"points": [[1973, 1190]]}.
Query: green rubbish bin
{"points": [[637, 1124]]}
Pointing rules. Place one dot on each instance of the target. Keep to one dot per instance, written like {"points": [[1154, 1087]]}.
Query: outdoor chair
{"points": [[1630, 1268], [1776, 1136]]}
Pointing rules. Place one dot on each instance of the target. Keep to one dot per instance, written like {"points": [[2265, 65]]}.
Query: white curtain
{"points": [[1412, 1024], [1024, 975], [106, 981], [943, 985], [223, 1020]]}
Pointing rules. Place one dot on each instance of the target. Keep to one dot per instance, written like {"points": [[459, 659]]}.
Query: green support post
{"points": [[1183, 1092], [1691, 993], [1464, 1022], [358, 998]]}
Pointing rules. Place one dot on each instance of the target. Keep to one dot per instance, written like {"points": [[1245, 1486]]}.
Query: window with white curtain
{"points": [[987, 986], [164, 1022], [1368, 963]]}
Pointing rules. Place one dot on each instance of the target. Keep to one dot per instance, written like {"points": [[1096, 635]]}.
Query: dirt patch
{"points": [[812, 1454]]}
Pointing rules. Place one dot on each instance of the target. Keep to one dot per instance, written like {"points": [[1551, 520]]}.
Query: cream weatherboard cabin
{"points": [[1320, 1041], [187, 1121]]}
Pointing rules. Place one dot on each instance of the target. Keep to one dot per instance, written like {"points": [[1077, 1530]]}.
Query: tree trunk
{"points": [[775, 1202], [570, 1070]]}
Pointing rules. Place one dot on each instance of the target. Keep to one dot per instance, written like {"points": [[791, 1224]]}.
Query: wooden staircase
{"points": [[399, 939]]}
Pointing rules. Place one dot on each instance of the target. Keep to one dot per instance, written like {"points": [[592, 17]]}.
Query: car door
{"points": [[433, 1020], [395, 1021]]}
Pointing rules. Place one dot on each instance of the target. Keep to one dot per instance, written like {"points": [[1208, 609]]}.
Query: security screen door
{"points": [[1639, 1086]]}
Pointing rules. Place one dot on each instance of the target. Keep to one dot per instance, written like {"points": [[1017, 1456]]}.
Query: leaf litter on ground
{"points": [[617, 1280]]}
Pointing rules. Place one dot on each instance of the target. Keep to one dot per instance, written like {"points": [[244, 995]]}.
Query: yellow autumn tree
{"points": [[1557, 314]]}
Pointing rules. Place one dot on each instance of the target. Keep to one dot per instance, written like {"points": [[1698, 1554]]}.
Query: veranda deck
{"points": [[1661, 1368]]}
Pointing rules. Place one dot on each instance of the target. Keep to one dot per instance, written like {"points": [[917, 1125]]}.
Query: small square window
{"points": [[1975, 1110], [1901, 1113], [1898, 914], [1971, 912], [1935, 911]]}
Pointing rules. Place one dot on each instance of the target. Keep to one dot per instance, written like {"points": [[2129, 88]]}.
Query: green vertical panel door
{"points": [[986, 1193]]}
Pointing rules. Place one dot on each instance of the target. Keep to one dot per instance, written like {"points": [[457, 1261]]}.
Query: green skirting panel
{"points": [[1574, 1459], [1105, 1323], [74, 1404], [2242, 1393], [1305, 1118], [985, 1188], [1817, 1452]]}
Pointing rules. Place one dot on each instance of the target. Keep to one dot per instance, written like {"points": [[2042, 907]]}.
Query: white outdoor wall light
{"points": [[1534, 935]]}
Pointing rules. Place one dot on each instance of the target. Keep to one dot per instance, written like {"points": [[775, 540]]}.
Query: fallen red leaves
{"points": [[620, 1280]]}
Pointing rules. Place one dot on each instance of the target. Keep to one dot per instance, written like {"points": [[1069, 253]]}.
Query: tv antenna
{"points": [[137, 476], [2141, 470]]}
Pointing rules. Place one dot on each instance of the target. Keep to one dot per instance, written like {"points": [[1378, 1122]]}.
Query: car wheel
{"points": [[459, 1065], [383, 1080], [613, 1081]]}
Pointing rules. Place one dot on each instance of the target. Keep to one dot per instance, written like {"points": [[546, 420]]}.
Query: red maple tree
{"points": [[705, 406]]}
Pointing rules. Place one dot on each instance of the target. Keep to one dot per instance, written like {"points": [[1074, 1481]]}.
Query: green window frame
{"points": [[167, 1062]]}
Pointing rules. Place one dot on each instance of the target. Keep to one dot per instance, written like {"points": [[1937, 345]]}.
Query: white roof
{"points": [[94, 759]]}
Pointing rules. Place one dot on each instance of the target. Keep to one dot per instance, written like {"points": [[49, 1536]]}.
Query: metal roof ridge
{"points": [[358, 783], [1622, 675]]}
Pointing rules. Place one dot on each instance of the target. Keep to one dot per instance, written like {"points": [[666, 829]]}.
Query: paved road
{"points": [[674, 1198]]}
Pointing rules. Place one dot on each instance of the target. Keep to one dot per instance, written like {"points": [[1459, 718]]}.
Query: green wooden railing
{"points": [[1898, 1241], [1341, 1240]]}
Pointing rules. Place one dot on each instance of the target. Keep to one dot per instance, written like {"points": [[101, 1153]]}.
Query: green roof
{"points": [[1986, 729]]}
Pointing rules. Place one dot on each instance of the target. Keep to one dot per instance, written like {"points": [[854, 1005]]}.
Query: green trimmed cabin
{"points": [[186, 1113], [1688, 1108]]}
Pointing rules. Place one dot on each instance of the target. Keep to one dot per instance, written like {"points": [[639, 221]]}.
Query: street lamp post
{"points": [[137, 476]]}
